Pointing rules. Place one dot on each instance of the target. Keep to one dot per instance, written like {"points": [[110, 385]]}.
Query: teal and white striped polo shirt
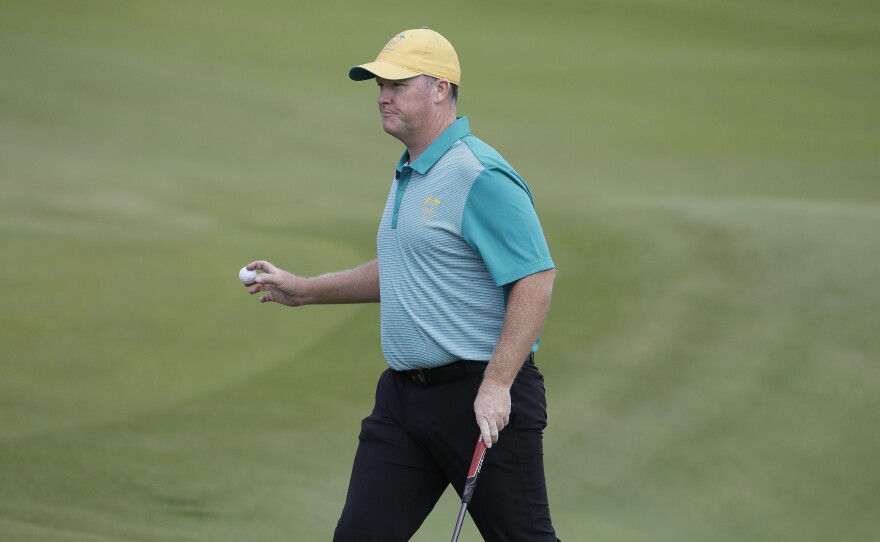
{"points": [[458, 228]]}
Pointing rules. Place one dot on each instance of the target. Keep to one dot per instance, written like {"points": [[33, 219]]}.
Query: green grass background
{"points": [[707, 173]]}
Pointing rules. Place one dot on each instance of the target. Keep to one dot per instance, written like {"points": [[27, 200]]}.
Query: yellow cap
{"points": [[410, 53]]}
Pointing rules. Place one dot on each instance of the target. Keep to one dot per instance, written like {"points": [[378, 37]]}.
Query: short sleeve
{"points": [[500, 223]]}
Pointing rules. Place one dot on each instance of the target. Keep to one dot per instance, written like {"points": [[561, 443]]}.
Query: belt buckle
{"points": [[418, 376]]}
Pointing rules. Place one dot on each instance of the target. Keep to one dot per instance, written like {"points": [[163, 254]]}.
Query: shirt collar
{"points": [[437, 148]]}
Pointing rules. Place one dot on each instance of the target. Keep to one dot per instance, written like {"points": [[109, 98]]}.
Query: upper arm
{"points": [[501, 224], [533, 288]]}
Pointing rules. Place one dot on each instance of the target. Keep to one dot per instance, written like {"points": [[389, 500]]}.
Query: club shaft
{"points": [[459, 522]]}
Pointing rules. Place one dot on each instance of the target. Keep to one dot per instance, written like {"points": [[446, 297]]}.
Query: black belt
{"points": [[457, 370]]}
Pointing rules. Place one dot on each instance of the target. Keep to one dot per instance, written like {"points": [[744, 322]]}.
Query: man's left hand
{"points": [[492, 409]]}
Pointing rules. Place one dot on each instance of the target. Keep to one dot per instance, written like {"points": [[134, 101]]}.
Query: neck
{"points": [[432, 130]]}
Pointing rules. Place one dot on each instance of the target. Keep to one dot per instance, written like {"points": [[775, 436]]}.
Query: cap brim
{"points": [[384, 70]]}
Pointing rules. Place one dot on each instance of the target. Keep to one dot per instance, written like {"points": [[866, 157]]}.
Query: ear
{"points": [[442, 88]]}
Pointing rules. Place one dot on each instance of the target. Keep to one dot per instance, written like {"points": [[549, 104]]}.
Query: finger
{"points": [[262, 265], [267, 278], [266, 298], [485, 433], [260, 287]]}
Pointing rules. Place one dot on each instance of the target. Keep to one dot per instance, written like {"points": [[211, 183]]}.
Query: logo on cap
{"points": [[393, 43]]}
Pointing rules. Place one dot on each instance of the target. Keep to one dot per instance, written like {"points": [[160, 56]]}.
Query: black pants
{"points": [[419, 439]]}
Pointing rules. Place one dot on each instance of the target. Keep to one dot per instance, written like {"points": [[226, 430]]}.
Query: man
{"points": [[464, 277]]}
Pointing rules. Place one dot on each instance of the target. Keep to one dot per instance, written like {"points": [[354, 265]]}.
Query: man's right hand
{"points": [[358, 285], [277, 285]]}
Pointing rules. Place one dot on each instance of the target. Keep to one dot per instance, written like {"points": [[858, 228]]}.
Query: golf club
{"points": [[469, 485]]}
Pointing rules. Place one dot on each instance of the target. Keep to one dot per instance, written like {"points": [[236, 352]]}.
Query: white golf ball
{"points": [[247, 276]]}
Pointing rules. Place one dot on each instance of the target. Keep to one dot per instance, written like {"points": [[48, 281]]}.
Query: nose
{"points": [[384, 96]]}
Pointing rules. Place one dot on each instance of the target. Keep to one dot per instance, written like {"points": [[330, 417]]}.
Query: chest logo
{"points": [[432, 203]]}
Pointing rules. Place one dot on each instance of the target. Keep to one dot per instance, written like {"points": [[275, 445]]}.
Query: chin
{"points": [[389, 128]]}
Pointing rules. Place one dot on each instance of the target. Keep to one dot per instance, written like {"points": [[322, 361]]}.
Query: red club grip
{"points": [[477, 461], [476, 465]]}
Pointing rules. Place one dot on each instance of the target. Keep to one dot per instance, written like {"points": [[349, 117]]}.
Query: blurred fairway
{"points": [[708, 176]]}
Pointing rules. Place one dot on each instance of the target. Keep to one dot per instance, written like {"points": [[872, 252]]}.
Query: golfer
{"points": [[464, 279]]}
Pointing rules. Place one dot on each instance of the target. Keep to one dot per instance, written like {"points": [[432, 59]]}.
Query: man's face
{"points": [[405, 106]]}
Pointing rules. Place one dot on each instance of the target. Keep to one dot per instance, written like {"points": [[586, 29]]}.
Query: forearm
{"points": [[358, 285], [527, 308]]}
